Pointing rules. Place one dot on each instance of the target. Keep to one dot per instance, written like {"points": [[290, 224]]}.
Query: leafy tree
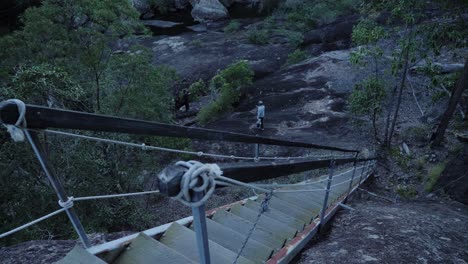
{"points": [[136, 88], [420, 36], [227, 85], [73, 35], [62, 56], [45, 84], [367, 99]]}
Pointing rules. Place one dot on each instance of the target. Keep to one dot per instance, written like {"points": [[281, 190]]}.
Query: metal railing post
{"points": [[60, 191], [352, 178], [327, 192], [199, 221]]}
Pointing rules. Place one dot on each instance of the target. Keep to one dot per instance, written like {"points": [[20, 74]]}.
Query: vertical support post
{"points": [[199, 221], [57, 185], [257, 151], [352, 178], [327, 193]]}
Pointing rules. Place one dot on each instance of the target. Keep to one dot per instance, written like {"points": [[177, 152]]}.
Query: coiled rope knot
{"points": [[199, 178], [16, 130], [67, 204]]}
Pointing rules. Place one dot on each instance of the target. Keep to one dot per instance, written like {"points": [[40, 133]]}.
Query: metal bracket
{"points": [[346, 207]]}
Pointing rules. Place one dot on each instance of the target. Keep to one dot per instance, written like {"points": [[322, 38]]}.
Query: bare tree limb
{"points": [[414, 95], [440, 68]]}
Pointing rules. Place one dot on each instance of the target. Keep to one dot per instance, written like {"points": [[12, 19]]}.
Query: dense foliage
{"points": [[418, 38], [226, 86], [62, 57]]}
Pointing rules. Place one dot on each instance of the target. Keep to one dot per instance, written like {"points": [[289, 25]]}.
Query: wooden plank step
{"points": [[306, 200], [278, 215], [289, 209], [243, 226], [298, 199], [233, 241], [182, 240], [79, 255], [264, 221], [145, 249], [335, 191]]}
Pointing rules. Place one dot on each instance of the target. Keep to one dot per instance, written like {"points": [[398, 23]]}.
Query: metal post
{"points": [[199, 221], [257, 151], [327, 192], [352, 178], [39, 151]]}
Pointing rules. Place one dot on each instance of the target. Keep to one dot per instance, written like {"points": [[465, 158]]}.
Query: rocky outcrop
{"points": [[209, 10], [454, 179], [181, 4], [382, 232], [142, 6], [339, 30]]}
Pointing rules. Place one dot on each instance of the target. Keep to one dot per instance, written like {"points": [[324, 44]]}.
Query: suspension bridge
{"points": [[270, 227]]}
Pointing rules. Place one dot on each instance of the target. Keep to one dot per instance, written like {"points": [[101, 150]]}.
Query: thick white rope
{"points": [[16, 130], [199, 178], [31, 223], [67, 204], [194, 153], [108, 196]]}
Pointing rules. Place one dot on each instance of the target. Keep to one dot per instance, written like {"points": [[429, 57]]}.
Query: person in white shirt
{"points": [[260, 115]]}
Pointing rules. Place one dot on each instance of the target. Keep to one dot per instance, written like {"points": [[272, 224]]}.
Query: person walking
{"points": [[260, 115], [186, 99]]}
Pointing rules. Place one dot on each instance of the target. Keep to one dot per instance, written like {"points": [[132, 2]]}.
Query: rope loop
{"points": [[199, 178], [16, 130], [67, 204]]}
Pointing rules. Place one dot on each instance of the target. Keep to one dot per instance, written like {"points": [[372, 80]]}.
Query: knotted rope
{"points": [[16, 130], [67, 204], [200, 178]]}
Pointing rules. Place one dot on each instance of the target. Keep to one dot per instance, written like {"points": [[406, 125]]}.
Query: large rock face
{"points": [[454, 179], [142, 6], [209, 10], [181, 4], [382, 232]]}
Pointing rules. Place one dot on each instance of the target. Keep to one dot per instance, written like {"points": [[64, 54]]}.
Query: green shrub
{"points": [[258, 37], [433, 176], [420, 163], [197, 89], [407, 192], [294, 38], [196, 43], [305, 15], [401, 159], [418, 134], [296, 57], [232, 27], [227, 85], [367, 97]]}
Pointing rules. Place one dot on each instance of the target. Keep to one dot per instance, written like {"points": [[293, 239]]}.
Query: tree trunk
{"points": [[389, 109], [374, 124], [98, 94], [400, 95], [462, 83]]}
